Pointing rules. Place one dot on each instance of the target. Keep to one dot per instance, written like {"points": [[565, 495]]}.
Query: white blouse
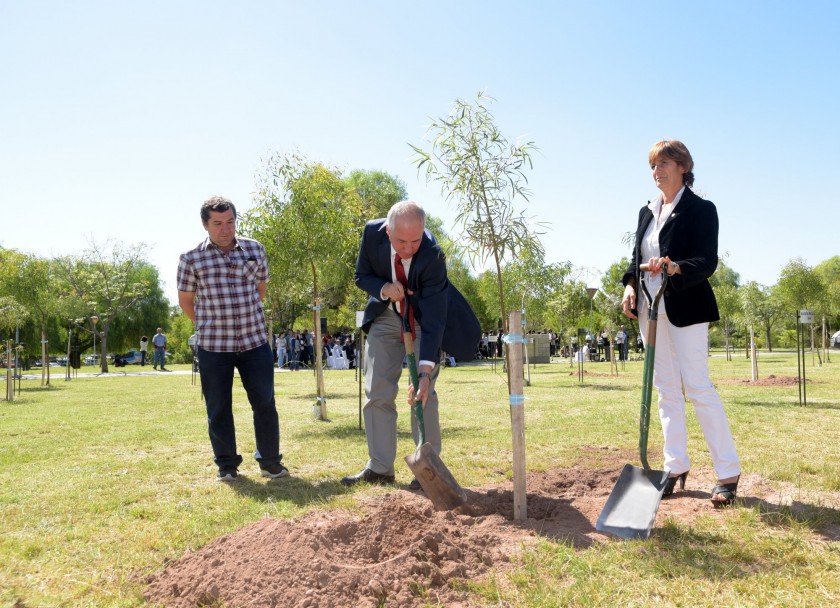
{"points": [[650, 249]]}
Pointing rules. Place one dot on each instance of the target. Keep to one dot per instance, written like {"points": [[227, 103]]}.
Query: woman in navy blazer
{"points": [[678, 234]]}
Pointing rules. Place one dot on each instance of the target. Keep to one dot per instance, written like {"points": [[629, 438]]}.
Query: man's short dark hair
{"points": [[215, 203]]}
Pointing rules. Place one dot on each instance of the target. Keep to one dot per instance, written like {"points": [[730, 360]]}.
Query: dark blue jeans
{"points": [[256, 369], [160, 356]]}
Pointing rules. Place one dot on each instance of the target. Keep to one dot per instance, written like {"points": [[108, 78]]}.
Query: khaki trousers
{"points": [[384, 353]]}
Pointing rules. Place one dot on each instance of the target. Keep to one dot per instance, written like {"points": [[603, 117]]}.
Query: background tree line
{"points": [[310, 218]]}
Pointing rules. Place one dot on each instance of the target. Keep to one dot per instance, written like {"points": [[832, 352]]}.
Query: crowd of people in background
{"points": [[591, 347], [295, 349]]}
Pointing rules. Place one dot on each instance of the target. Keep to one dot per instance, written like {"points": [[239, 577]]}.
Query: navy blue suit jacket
{"points": [[690, 238], [446, 320]]}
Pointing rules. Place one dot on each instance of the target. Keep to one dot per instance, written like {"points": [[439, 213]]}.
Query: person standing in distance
{"points": [[221, 286], [159, 342], [144, 348], [399, 264]]}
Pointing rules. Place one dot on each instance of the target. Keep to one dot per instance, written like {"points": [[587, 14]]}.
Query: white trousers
{"points": [[681, 362]]}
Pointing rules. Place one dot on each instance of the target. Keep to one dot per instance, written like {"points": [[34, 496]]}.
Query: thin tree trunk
{"points": [[45, 359], [317, 347], [505, 324], [10, 383], [726, 330], [103, 349]]}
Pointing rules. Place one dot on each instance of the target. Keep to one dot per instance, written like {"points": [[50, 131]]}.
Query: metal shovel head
{"points": [[633, 503], [435, 479]]}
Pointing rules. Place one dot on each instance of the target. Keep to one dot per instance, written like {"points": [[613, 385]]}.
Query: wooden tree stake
{"points": [[517, 415]]}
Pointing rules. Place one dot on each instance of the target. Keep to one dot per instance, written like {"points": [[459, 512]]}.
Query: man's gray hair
{"points": [[405, 210]]}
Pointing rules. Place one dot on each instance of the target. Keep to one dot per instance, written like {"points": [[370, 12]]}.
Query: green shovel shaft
{"points": [[644, 416], [418, 405], [415, 380]]}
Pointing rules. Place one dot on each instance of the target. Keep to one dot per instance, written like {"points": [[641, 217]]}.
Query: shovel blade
{"points": [[435, 479], [631, 508]]}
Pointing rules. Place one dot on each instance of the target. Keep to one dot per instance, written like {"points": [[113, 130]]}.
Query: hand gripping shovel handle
{"points": [[647, 373], [412, 371], [434, 476]]}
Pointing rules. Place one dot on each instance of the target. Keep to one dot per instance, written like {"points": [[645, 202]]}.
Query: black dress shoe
{"points": [[414, 485], [368, 476]]}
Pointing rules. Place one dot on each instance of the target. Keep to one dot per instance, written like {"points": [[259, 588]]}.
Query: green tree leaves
{"points": [[484, 174], [102, 283]]}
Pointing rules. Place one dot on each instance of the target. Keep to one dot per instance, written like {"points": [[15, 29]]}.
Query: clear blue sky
{"points": [[118, 119]]}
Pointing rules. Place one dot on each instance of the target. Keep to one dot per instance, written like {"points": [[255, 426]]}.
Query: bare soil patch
{"points": [[586, 372], [403, 553], [770, 380]]}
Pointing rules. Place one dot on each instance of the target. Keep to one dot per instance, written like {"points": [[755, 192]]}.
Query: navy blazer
{"points": [[690, 238], [446, 320]]}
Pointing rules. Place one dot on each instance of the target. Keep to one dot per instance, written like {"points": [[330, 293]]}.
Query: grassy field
{"points": [[103, 479]]}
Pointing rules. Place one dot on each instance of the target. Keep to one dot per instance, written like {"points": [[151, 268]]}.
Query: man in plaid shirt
{"points": [[221, 285]]}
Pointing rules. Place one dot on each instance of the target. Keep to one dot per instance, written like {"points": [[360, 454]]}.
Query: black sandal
{"points": [[729, 491]]}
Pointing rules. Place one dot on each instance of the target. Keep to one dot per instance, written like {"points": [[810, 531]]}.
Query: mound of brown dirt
{"points": [[770, 380], [401, 552]]}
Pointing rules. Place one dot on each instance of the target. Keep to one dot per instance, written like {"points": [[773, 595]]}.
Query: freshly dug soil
{"points": [[770, 380], [403, 553]]}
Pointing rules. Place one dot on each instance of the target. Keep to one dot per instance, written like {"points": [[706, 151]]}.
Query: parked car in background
{"points": [[835, 340], [132, 357]]}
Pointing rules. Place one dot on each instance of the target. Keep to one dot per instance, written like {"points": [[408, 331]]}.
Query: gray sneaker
{"points": [[227, 474], [274, 470]]}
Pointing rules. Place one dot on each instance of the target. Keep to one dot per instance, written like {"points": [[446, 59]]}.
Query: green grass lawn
{"points": [[104, 479]]}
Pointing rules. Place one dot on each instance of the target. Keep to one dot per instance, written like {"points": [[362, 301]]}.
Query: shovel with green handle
{"points": [[631, 507], [434, 477]]}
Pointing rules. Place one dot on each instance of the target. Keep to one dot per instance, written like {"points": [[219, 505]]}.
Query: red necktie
{"points": [[400, 271]]}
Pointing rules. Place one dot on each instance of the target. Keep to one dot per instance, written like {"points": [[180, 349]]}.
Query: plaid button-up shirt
{"points": [[228, 310]]}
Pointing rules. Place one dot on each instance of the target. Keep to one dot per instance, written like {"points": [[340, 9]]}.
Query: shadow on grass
{"points": [[293, 489], [609, 387], [821, 520], [787, 404], [354, 432], [597, 387], [310, 399], [552, 518], [344, 431], [688, 551], [36, 389], [824, 521]]}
